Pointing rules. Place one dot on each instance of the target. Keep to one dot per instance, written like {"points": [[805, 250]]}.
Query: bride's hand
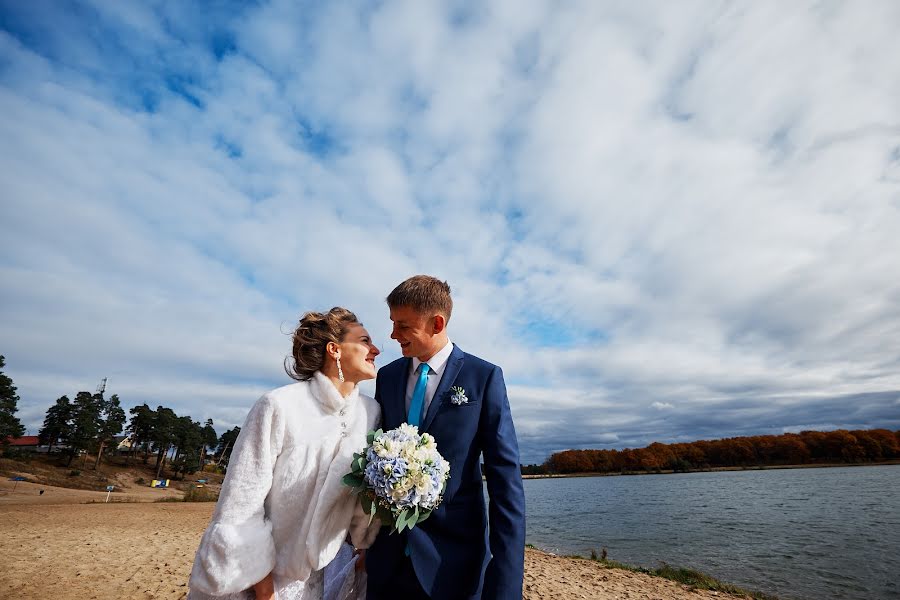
{"points": [[265, 589], [361, 561]]}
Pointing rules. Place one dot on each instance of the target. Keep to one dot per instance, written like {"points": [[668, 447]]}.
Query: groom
{"points": [[461, 401]]}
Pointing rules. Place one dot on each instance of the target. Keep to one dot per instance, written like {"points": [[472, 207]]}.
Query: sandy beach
{"points": [[56, 546]]}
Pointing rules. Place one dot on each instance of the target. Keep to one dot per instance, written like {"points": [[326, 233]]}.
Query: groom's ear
{"points": [[438, 323]]}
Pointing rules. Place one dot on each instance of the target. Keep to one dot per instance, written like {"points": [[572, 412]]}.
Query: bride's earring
{"points": [[340, 371]]}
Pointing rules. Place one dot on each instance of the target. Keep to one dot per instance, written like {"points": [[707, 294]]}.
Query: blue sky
{"points": [[665, 222]]}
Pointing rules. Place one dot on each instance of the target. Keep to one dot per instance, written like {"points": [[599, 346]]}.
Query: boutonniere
{"points": [[459, 396]]}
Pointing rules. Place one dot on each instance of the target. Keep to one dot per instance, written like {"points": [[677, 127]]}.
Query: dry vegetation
{"points": [[117, 471]]}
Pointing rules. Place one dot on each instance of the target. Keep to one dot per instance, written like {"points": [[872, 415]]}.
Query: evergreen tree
{"points": [[10, 426], [226, 444], [163, 434], [140, 428], [86, 412], [109, 423], [210, 437], [210, 441], [57, 423], [189, 441]]}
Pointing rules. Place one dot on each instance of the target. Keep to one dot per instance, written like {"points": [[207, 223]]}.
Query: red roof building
{"points": [[25, 440]]}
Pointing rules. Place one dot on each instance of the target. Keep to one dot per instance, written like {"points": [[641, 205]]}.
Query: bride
{"points": [[283, 513]]}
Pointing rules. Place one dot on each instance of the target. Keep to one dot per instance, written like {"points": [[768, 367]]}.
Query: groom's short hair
{"points": [[424, 294]]}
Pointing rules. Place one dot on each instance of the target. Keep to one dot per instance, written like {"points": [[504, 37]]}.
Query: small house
{"points": [[26, 443]]}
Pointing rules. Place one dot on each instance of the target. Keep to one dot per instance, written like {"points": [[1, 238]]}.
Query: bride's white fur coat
{"points": [[283, 508]]}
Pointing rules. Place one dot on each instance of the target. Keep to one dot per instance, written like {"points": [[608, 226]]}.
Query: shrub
{"points": [[18, 454], [196, 494]]}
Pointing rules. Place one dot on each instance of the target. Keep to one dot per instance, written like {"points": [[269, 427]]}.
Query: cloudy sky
{"points": [[665, 221]]}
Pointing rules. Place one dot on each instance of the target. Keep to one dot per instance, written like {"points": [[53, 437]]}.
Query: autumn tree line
{"points": [[804, 448], [89, 425]]}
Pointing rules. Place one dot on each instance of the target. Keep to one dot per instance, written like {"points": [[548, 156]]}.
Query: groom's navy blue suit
{"points": [[449, 550]]}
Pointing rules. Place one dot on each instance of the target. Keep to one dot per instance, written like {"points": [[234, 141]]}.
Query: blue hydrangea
{"points": [[405, 470]]}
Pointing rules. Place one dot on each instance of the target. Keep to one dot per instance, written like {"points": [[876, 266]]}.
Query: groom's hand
{"points": [[265, 589]]}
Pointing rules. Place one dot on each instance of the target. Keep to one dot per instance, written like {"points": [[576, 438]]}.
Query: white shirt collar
{"points": [[437, 362]]}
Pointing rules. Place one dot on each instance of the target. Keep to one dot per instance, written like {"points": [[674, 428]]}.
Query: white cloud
{"points": [[692, 206]]}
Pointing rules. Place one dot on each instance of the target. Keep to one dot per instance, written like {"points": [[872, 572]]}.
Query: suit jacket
{"points": [[449, 551]]}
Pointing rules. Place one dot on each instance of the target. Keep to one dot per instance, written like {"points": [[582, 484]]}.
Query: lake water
{"points": [[811, 534]]}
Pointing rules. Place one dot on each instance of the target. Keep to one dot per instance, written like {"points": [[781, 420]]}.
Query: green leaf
{"points": [[352, 480], [409, 520], [393, 522], [402, 519], [370, 507], [370, 437], [424, 515]]}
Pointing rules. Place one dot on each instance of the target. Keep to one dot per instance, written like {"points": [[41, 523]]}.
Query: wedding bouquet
{"points": [[399, 476]]}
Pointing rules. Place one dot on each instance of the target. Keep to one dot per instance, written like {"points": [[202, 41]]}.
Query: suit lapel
{"points": [[454, 364]]}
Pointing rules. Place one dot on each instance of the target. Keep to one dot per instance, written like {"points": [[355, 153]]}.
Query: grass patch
{"points": [[692, 578], [115, 500], [193, 495], [200, 495], [701, 581]]}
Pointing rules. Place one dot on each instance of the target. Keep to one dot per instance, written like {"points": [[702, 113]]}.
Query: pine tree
{"points": [[163, 434], [189, 441], [57, 423], [140, 428], [210, 440], [85, 423], [226, 444], [10, 426], [109, 423]]}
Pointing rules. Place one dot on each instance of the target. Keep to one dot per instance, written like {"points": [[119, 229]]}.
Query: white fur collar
{"points": [[328, 396]]}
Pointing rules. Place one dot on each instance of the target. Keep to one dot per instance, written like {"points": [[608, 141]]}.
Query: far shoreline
{"points": [[709, 470]]}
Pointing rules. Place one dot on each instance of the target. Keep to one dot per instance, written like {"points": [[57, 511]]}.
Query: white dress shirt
{"points": [[436, 365]]}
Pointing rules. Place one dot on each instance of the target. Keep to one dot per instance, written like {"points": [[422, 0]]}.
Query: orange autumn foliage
{"points": [[806, 447]]}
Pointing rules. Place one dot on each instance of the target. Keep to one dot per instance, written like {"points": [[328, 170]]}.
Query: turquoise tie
{"points": [[418, 397], [415, 407]]}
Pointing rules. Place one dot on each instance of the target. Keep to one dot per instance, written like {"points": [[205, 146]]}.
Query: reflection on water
{"points": [[811, 534]]}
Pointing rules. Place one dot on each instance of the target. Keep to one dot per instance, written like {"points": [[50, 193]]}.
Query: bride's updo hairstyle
{"points": [[313, 333]]}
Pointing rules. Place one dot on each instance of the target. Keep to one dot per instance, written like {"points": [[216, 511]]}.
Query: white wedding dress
{"points": [[337, 581], [283, 508]]}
